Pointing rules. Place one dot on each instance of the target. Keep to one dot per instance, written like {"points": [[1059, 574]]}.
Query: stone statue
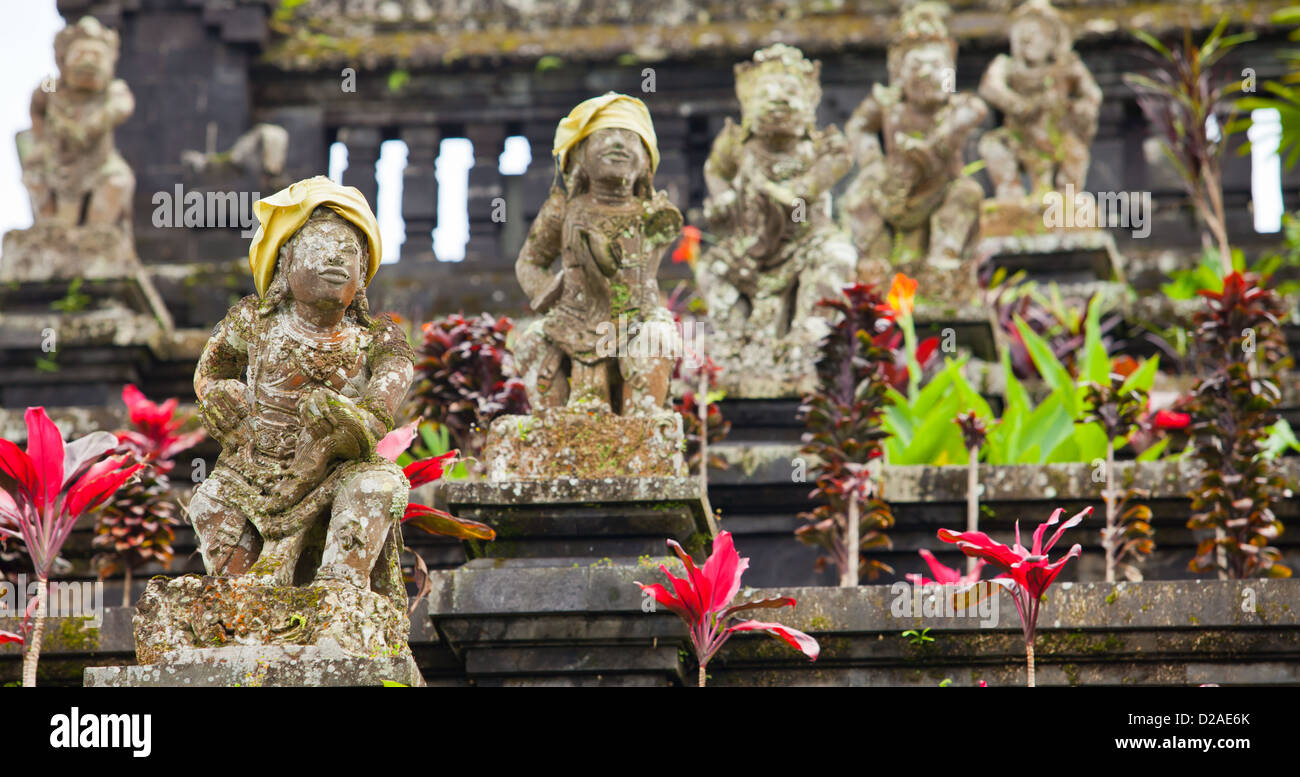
{"points": [[598, 363], [298, 384], [779, 251], [910, 205], [1049, 102], [71, 168], [605, 340]]}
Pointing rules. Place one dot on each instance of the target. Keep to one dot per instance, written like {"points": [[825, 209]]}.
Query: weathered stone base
{"points": [[777, 369], [582, 520], [565, 443], [325, 665], [1073, 255], [51, 252], [208, 612]]}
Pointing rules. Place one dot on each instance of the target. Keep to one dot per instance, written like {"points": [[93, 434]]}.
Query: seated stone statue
{"points": [[1049, 102], [298, 384], [910, 205], [605, 339], [779, 252], [71, 168]]}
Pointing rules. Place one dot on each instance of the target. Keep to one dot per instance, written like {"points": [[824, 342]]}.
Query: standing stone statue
{"points": [[71, 167], [299, 523], [779, 252], [1049, 102], [910, 207], [597, 365]]}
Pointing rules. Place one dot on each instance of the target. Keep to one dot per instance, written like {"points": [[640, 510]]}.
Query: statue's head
{"points": [[779, 91], [1038, 33], [609, 139], [86, 54], [317, 243], [922, 49], [323, 262], [924, 74]]}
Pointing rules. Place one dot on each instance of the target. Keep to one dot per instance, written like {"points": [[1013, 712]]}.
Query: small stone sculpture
{"points": [[779, 251], [71, 168], [605, 341], [1049, 102], [298, 384], [597, 365], [910, 206]]}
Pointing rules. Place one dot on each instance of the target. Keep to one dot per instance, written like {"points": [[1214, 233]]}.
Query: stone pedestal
{"points": [[569, 443], [1014, 237], [220, 631], [319, 666], [762, 369]]}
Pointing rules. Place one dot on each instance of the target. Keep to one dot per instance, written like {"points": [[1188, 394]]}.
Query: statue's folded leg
{"points": [[228, 543], [368, 505]]}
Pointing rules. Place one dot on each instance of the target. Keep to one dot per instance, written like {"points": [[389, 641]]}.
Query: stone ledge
{"points": [[320, 666]]}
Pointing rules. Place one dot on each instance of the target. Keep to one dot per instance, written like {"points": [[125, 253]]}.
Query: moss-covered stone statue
{"points": [[910, 207], [298, 383], [779, 252], [597, 364]]}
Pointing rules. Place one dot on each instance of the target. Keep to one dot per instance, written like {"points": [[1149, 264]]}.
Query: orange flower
{"points": [[689, 249], [902, 292]]}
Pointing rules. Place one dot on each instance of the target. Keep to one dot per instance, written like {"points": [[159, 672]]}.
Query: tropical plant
{"points": [[703, 602], [138, 524], [1126, 539], [973, 434], [945, 575], [1026, 572], [43, 491], [429, 519], [842, 416], [465, 377], [1285, 98], [1233, 406], [1186, 98]]}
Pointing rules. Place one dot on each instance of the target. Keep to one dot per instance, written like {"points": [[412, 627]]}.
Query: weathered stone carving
{"points": [[1049, 103], [605, 347], [298, 384], [71, 167], [910, 206], [779, 251]]}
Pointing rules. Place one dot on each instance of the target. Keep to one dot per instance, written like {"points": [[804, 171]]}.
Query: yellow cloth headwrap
{"points": [[609, 110], [284, 212]]}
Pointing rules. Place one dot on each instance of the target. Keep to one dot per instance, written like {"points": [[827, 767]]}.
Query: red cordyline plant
{"points": [[842, 416], [1186, 96], [138, 524], [946, 575], [43, 491], [465, 377], [704, 598], [430, 519], [1232, 407], [1026, 573]]}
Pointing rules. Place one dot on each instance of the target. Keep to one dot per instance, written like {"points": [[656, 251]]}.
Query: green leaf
{"points": [[1096, 362], [1143, 377], [1152, 453], [1054, 373]]}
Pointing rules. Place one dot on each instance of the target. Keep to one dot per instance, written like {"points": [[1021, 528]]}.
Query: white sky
{"points": [[27, 40]]}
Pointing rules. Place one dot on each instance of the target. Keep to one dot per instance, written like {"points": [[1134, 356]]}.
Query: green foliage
{"points": [[918, 638], [398, 79], [1284, 98], [74, 300]]}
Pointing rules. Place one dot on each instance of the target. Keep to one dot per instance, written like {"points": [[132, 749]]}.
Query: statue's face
{"points": [[781, 107], [925, 71], [88, 65], [614, 154], [1032, 41], [326, 269]]}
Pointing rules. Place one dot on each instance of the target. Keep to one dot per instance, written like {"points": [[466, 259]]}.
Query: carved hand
{"points": [[606, 253], [224, 408]]}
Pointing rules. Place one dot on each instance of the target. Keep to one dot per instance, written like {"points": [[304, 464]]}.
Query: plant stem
{"points": [[701, 676], [33, 653], [1110, 541], [849, 577], [703, 408], [972, 501], [126, 588], [1029, 661]]}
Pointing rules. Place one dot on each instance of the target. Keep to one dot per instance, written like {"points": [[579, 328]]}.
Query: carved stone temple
{"points": [[778, 250]]}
